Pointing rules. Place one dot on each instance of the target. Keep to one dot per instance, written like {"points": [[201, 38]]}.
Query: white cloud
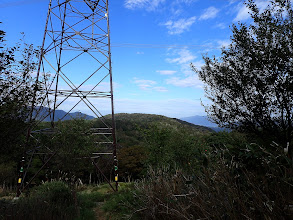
{"points": [[197, 65], [243, 11], [187, 78], [184, 1], [190, 81], [160, 89], [139, 53], [209, 13], [223, 43], [176, 11], [220, 25], [185, 56], [178, 7], [179, 26], [149, 5], [166, 72], [145, 84], [242, 14], [232, 1]]}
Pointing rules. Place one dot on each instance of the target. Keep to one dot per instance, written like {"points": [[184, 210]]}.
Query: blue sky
{"points": [[153, 44]]}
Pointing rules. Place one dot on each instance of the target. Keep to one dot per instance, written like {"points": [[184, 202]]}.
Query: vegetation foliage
{"points": [[52, 200], [250, 85], [17, 89], [181, 171]]}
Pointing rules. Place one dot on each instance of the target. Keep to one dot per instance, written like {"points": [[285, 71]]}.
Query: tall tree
{"points": [[251, 84], [17, 87]]}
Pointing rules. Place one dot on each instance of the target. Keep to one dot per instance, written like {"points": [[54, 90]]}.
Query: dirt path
{"points": [[100, 214]]}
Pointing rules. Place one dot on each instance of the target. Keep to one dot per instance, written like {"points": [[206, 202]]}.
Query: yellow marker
{"points": [[19, 180], [116, 178]]}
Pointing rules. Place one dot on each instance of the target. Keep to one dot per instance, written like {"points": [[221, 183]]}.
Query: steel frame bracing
{"points": [[75, 63]]}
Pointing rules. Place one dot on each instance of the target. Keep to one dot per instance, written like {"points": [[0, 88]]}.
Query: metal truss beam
{"points": [[75, 63]]}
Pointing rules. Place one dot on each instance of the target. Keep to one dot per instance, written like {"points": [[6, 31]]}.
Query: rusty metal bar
{"points": [[98, 168], [29, 182], [112, 102]]}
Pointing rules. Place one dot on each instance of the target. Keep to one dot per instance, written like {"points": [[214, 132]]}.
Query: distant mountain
{"points": [[203, 121], [59, 114]]}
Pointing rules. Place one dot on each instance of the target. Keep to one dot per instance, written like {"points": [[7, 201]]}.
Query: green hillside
{"points": [[131, 127]]}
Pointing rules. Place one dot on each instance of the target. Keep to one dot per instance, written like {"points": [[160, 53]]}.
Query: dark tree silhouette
{"points": [[251, 84], [17, 88]]}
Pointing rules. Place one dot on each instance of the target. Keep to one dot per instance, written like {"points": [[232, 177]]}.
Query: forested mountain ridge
{"points": [[131, 127], [146, 119]]}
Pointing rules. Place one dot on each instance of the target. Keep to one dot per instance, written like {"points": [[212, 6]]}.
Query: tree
{"points": [[131, 162], [17, 87], [174, 148], [74, 143], [251, 84]]}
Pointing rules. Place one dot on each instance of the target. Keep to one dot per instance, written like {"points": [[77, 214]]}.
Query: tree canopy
{"points": [[17, 88], [251, 84]]}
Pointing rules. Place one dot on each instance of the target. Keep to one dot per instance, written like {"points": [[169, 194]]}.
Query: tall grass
{"points": [[53, 200], [222, 190]]}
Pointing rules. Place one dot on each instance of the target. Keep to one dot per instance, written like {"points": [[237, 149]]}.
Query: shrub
{"points": [[87, 201], [168, 146], [52, 200], [121, 204], [217, 192]]}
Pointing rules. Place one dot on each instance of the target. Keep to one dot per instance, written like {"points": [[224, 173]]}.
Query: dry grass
{"points": [[217, 192]]}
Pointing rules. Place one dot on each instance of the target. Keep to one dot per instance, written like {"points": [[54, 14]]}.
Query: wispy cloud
{"points": [[232, 1], [187, 78], [145, 84], [166, 72], [179, 26], [178, 7], [242, 14], [190, 81], [184, 1], [143, 4], [160, 89], [221, 25], [243, 11], [209, 13], [183, 56], [175, 11], [223, 43], [197, 64]]}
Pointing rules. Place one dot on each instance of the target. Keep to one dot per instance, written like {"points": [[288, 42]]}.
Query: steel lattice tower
{"points": [[76, 53]]}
